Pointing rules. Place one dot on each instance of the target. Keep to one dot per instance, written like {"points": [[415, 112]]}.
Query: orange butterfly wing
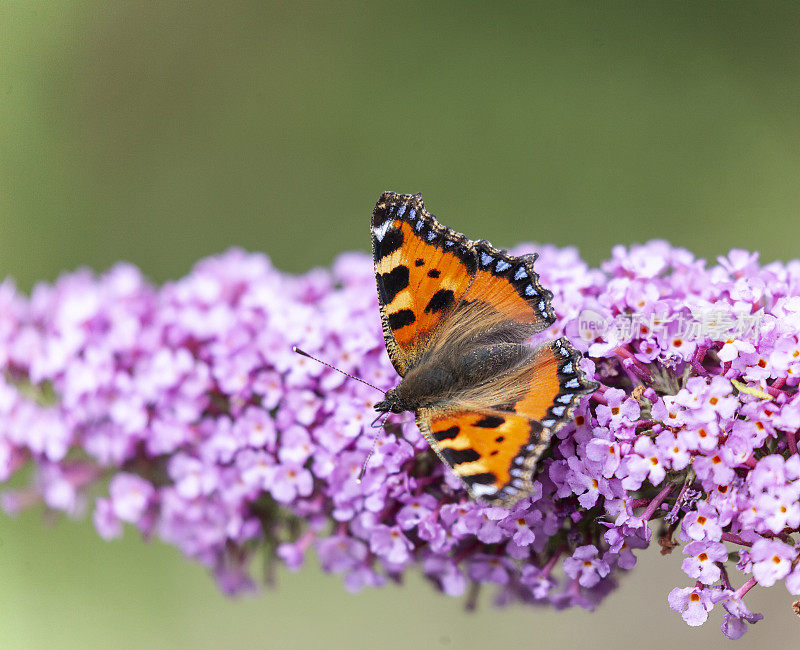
{"points": [[511, 286], [422, 271], [495, 450], [480, 447]]}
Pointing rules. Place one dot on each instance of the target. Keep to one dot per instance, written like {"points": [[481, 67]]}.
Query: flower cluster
{"points": [[183, 411]]}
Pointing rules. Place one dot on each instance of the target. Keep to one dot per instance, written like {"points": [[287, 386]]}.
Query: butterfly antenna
{"points": [[374, 444], [347, 374]]}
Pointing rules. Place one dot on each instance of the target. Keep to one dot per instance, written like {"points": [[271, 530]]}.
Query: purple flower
{"points": [[256, 428], [485, 568], [130, 496], [361, 577], [647, 462], [586, 566], [447, 575], [772, 561], [536, 581], [672, 450], [390, 544], [621, 547], [192, 478], [734, 624], [106, 523], [604, 452], [583, 483], [523, 533], [341, 553], [702, 563], [692, 603], [618, 409], [417, 509], [287, 482], [702, 523], [793, 581], [714, 469], [293, 555]]}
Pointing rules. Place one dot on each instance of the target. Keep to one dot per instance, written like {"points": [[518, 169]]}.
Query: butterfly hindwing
{"points": [[553, 384], [480, 447], [495, 449], [422, 271]]}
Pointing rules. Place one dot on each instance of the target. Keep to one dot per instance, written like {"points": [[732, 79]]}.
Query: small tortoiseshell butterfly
{"points": [[455, 316]]}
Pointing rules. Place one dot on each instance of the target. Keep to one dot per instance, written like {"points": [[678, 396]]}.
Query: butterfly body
{"points": [[439, 381], [456, 314]]}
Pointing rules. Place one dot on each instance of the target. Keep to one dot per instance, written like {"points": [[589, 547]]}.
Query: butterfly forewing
{"points": [[422, 270], [510, 285]]}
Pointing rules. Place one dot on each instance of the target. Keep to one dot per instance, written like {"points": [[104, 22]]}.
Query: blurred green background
{"points": [[161, 132]]}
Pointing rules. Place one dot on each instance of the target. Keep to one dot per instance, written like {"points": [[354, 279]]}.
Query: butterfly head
{"points": [[392, 403]]}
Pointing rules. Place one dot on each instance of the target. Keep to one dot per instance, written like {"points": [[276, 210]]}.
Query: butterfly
{"points": [[455, 315]]}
